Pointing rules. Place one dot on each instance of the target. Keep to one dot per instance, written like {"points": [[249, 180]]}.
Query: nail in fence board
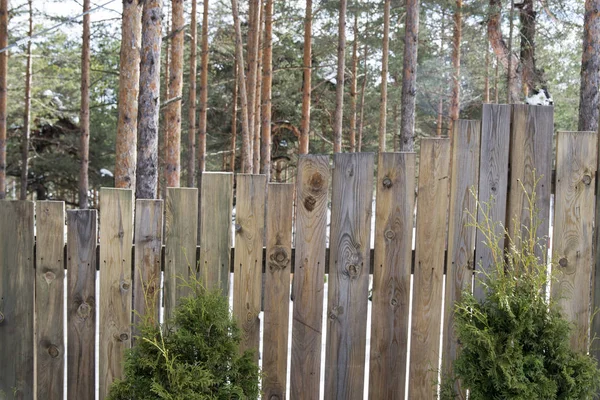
{"points": [[49, 298], [432, 210], [391, 274], [531, 150], [146, 269], [461, 236], [493, 182], [116, 236], [280, 199], [249, 239], [215, 229], [573, 230], [81, 303], [311, 225], [181, 232], [351, 211], [17, 279]]}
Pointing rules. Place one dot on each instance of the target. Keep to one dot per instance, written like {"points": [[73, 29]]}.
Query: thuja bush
{"points": [[515, 342], [194, 356]]}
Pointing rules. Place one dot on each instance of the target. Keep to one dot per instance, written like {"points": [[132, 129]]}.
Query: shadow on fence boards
{"points": [[32, 261]]}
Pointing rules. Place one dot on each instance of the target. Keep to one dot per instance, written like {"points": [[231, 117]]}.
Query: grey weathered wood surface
{"points": [[493, 183], [82, 239], [280, 198], [351, 211], [308, 284], [249, 240], [215, 229], [147, 259], [461, 232], [391, 275], [116, 236], [49, 299], [432, 212], [17, 280], [573, 230], [181, 230]]}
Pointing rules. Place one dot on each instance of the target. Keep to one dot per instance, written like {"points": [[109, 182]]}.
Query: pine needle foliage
{"points": [[515, 342], [195, 356]]}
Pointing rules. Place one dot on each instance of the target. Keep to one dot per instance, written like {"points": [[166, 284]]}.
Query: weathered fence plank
{"points": [[215, 229], [432, 211], [116, 236], [49, 299], [351, 210], [81, 303], [531, 152], [311, 226], [493, 183], [461, 232], [573, 230], [17, 279], [181, 232], [249, 239], [146, 268], [391, 275], [280, 200]]}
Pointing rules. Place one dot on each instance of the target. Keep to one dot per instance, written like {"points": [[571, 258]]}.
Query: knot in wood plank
{"points": [[279, 259], [387, 182], [53, 351], [563, 262], [123, 337], [84, 310], [49, 276], [316, 182], [587, 179]]}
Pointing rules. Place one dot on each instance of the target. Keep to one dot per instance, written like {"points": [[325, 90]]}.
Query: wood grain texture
{"points": [[277, 289], [493, 182], [17, 279], [461, 232], [573, 230], [116, 237], [215, 229], [391, 275], [49, 299], [312, 186], [351, 211], [181, 230], [432, 214], [249, 239], [147, 258], [82, 239], [531, 152]]}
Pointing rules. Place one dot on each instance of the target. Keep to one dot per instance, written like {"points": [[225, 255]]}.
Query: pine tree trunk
{"points": [[252, 52], [396, 128], [129, 79], [456, 39], [256, 164], [486, 83], [384, 74], [84, 112], [339, 82], [353, 86], [267, 80], [496, 79], [532, 77], [3, 93], [234, 113], [409, 76], [362, 97], [191, 167], [203, 104], [173, 112], [590, 68], [440, 117], [27, 114], [306, 81], [149, 101]]}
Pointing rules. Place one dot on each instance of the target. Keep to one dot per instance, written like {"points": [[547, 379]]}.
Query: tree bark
{"points": [[252, 52], [440, 117], [234, 113], [590, 68], [409, 76], [456, 39], [149, 101], [339, 83], [306, 82], [173, 113], [353, 86], [129, 79], [486, 83], [84, 112], [533, 78], [362, 97], [396, 128], [496, 79], [3, 93], [192, 129], [27, 113], [256, 165], [267, 80], [384, 74], [203, 104]]}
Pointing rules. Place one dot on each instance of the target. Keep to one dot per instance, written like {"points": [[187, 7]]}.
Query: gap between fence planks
{"points": [[391, 275]]}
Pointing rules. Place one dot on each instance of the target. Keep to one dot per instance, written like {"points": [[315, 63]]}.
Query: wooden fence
{"points": [[32, 261]]}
